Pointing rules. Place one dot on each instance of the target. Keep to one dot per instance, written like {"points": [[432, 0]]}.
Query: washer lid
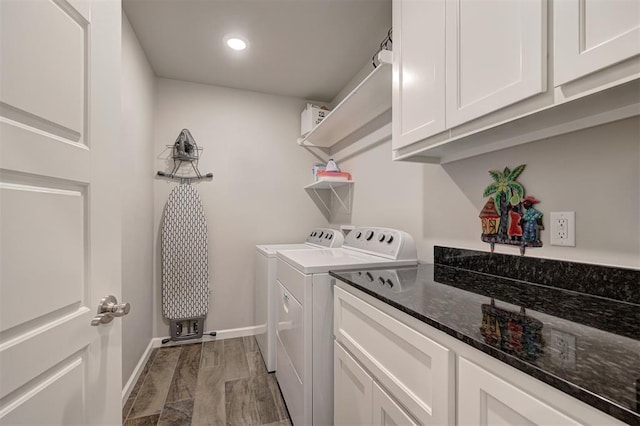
{"points": [[336, 259], [269, 250]]}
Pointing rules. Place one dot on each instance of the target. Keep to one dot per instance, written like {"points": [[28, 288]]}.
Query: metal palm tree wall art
{"points": [[508, 217]]}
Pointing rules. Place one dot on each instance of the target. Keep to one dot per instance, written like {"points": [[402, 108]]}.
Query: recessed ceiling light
{"points": [[236, 43]]}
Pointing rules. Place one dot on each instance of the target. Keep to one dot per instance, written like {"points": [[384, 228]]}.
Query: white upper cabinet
{"points": [[590, 35], [496, 55], [498, 87], [418, 70], [457, 60]]}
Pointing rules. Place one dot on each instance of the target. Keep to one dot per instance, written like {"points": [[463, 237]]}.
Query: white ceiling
{"points": [[308, 49]]}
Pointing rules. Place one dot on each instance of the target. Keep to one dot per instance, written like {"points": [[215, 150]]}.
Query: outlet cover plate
{"points": [[563, 229], [563, 349]]}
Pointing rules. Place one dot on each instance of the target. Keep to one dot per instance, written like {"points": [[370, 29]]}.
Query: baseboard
{"points": [[157, 342], [220, 334], [128, 387]]}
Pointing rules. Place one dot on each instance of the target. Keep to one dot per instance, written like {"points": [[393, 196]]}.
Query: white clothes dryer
{"points": [[265, 287], [304, 361]]}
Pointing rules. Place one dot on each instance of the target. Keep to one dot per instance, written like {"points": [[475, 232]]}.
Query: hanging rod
{"points": [[176, 177]]}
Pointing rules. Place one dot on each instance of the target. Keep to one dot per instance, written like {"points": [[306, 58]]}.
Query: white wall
{"points": [[136, 176], [256, 195], [594, 172]]}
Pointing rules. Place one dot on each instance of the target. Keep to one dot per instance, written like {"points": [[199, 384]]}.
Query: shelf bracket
{"points": [[347, 209], [315, 191], [323, 189]]}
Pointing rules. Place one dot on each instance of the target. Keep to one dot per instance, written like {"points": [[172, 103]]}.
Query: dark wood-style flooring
{"points": [[222, 382]]}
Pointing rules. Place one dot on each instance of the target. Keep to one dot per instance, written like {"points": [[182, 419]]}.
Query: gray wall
{"points": [[594, 172], [136, 177], [256, 196]]}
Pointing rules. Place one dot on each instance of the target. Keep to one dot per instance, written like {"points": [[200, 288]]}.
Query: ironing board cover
{"points": [[185, 269]]}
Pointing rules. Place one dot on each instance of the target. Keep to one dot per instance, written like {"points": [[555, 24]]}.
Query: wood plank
{"points": [[263, 399], [240, 407], [177, 413], [152, 394], [234, 359], [143, 421], [250, 344], [256, 364], [277, 398], [209, 404], [212, 354], [185, 377], [143, 374]]}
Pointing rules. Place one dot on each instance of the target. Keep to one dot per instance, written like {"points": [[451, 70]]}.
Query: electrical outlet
{"points": [[563, 229], [563, 348]]}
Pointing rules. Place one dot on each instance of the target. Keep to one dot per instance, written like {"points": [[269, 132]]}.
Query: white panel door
{"points": [[418, 95], [590, 35], [486, 399], [387, 412], [352, 390], [496, 55], [59, 211]]}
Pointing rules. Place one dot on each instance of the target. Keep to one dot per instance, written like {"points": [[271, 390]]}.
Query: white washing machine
{"points": [[304, 361], [265, 287]]}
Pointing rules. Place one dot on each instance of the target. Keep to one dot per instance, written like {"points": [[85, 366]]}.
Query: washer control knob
{"points": [[321, 234], [358, 235], [381, 237], [390, 239], [369, 235], [369, 277]]}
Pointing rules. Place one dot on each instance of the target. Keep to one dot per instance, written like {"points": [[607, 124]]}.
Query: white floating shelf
{"points": [[328, 184], [367, 101]]}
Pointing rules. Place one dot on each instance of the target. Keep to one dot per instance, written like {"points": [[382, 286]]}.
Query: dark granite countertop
{"points": [[584, 345]]}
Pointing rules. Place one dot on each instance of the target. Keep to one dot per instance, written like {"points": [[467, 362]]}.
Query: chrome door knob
{"points": [[108, 309]]}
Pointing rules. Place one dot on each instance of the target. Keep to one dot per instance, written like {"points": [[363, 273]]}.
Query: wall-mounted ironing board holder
{"points": [[185, 179], [185, 150]]}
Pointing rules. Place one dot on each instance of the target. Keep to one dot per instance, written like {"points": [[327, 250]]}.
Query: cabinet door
{"points": [[417, 371], [418, 70], [590, 35], [496, 55], [352, 390], [387, 412], [484, 398]]}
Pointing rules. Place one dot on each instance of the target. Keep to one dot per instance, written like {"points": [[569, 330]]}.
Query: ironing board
{"points": [[185, 267]]}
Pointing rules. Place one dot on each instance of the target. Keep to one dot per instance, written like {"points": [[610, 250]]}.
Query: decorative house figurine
{"points": [[508, 217], [490, 218]]}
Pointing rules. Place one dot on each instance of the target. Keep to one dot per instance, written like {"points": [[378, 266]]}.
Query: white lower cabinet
{"points": [[387, 412], [484, 398], [353, 389], [416, 371], [359, 400], [392, 369]]}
